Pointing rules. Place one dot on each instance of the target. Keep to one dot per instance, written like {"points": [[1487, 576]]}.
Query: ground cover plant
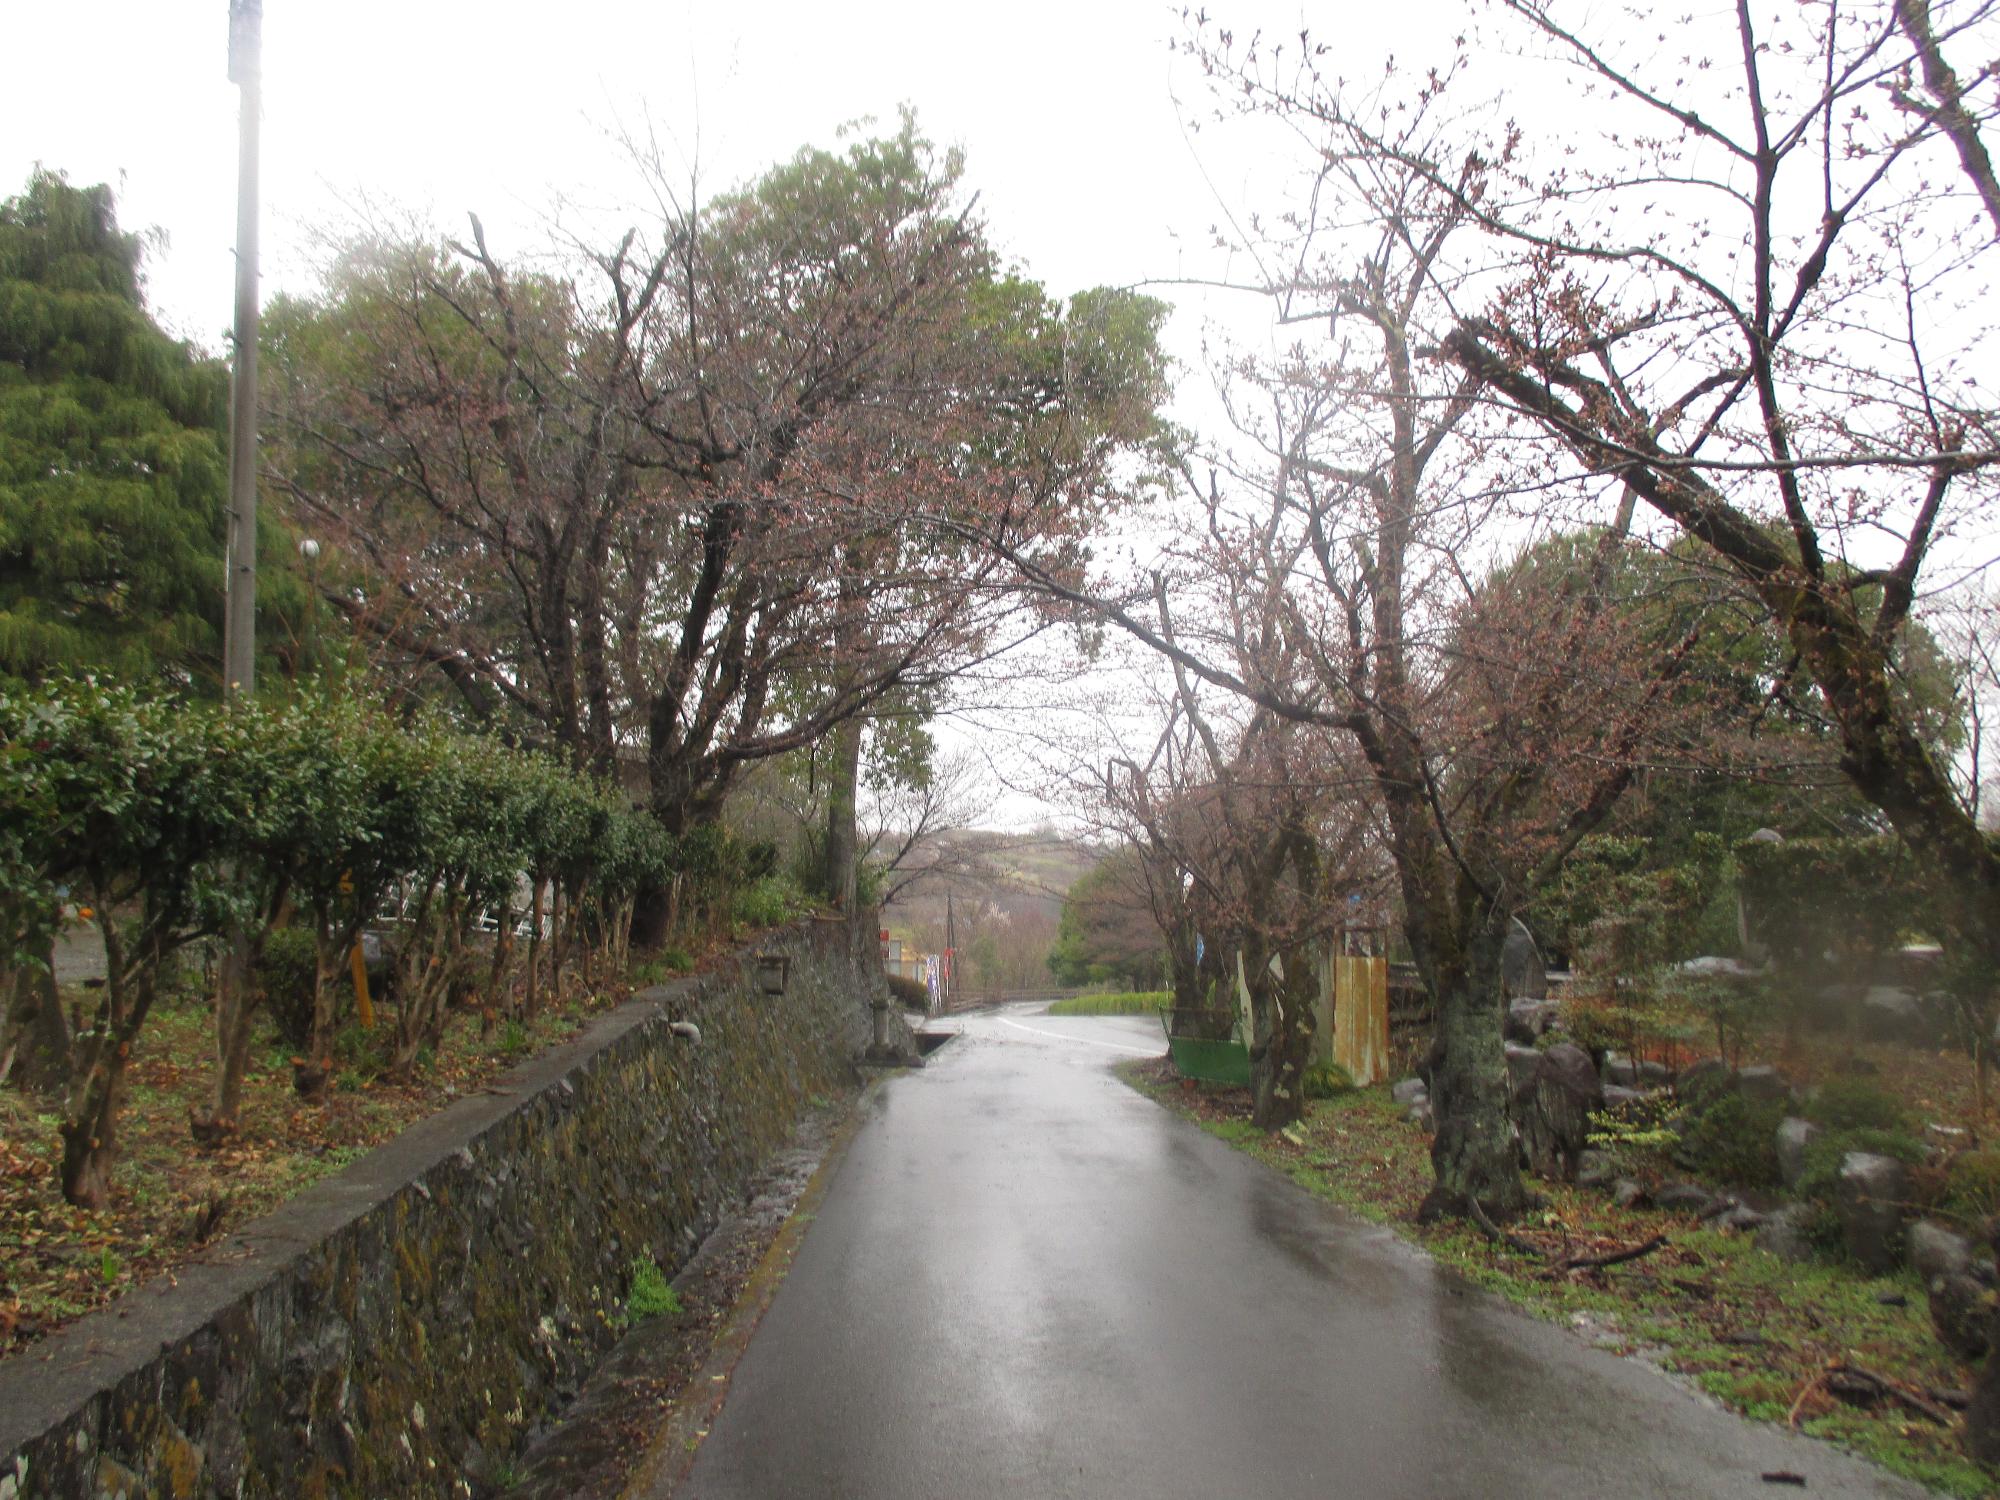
{"points": [[1767, 1337], [1127, 1003]]}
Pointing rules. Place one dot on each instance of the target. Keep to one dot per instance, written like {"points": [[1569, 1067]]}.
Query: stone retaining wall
{"points": [[395, 1329]]}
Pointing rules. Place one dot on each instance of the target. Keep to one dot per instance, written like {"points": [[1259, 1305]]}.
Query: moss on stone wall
{"points": [[401, 1325]]}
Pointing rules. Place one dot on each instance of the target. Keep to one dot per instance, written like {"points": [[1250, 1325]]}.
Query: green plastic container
{"points": [[1212, 1062]]}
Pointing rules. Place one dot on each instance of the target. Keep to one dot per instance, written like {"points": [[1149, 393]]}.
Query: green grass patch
{"points": [[651, 1296], [1749, 1329], [1130, 1003]]}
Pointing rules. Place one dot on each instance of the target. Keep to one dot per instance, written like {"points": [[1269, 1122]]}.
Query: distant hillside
{"points": [[1021, 875]]}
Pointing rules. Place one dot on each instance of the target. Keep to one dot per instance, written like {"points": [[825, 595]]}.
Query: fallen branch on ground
{"points": [[1868, 1382], [1612, 1258], [1495, 1233]]}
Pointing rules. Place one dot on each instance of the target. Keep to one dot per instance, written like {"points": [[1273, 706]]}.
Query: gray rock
{"points": [[1619, 1070], [1934, 1251], [1794, 1136], [1408, 1091], [1595, 1169], [1521, 1065], [1554, 1112], [1521, 968], [1419, 1114], [1712, 966], [1703, 1082], [1627, 1193], [1870, 1196], [1762, 1082], [1685, 1198], [1528, 1020], [1962, 1313], [1654, 1075], [1783, 1233], [1893, 1013], [1740, 1217]]}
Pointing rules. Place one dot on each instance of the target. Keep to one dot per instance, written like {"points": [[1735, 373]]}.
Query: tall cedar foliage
{"points": [[112, 473]]}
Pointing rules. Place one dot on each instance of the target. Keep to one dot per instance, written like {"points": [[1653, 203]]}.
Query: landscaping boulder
{"points": [[1554, 1111], [1595, 1169], [1891, 1013], [1794, 1136], [1521, 968], [1962, 1313], [1935, 1251], [1654, 1075], [1870, 1195], [1521, 1065], [1783, 1233], [1740, 1217], [1686, 1198], [1527, 1020], [1716, 966], [1627, 1193], [1419, 1114], [1408, 1091], [1982, 1413], [1762, 1082], [1619, 1070]]}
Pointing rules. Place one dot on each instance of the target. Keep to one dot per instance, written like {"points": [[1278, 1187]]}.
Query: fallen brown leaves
{"points": [[171, 1198]]}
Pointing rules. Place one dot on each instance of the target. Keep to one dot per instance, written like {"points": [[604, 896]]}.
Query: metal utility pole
{"points": [[950, 953], [239, 629]]}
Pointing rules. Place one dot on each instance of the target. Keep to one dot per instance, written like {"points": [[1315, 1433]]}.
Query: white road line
{"points": [[1062, 1036]]}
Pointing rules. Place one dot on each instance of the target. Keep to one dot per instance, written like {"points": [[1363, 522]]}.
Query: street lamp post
{"points": [[239, 630]]}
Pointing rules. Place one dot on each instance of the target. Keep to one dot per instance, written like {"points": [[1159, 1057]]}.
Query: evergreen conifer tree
{"points": [[113, 469]]}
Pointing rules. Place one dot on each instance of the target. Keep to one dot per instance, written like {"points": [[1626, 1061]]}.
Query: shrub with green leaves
{"points": [[286, 972], [1972, 1187], [1848, 1103], [1733, 1139], [769, 902]]}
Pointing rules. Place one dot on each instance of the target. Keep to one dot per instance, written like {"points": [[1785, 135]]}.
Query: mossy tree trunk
{"points": [[842, 871], [1473, 1154]]}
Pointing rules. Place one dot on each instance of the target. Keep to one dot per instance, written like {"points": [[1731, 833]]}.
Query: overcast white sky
{"points": [[1066, 111]]}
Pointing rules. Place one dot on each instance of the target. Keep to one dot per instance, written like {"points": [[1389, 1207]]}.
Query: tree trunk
{"points": [[843, 841], [235, 1005], [236, 999], [34, 1041], [90, 1130], [1281, 1038], [531, 1000], [1473, 1154]]}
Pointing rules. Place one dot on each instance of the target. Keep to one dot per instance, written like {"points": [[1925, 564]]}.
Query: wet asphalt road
{"points": [[1026, 1280]]}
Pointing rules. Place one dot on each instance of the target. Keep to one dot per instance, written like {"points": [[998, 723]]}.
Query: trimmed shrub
{"points": [[1734, 1140], [1129, 1003], [911, 994], [286, 974], [1844, 1103]]}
